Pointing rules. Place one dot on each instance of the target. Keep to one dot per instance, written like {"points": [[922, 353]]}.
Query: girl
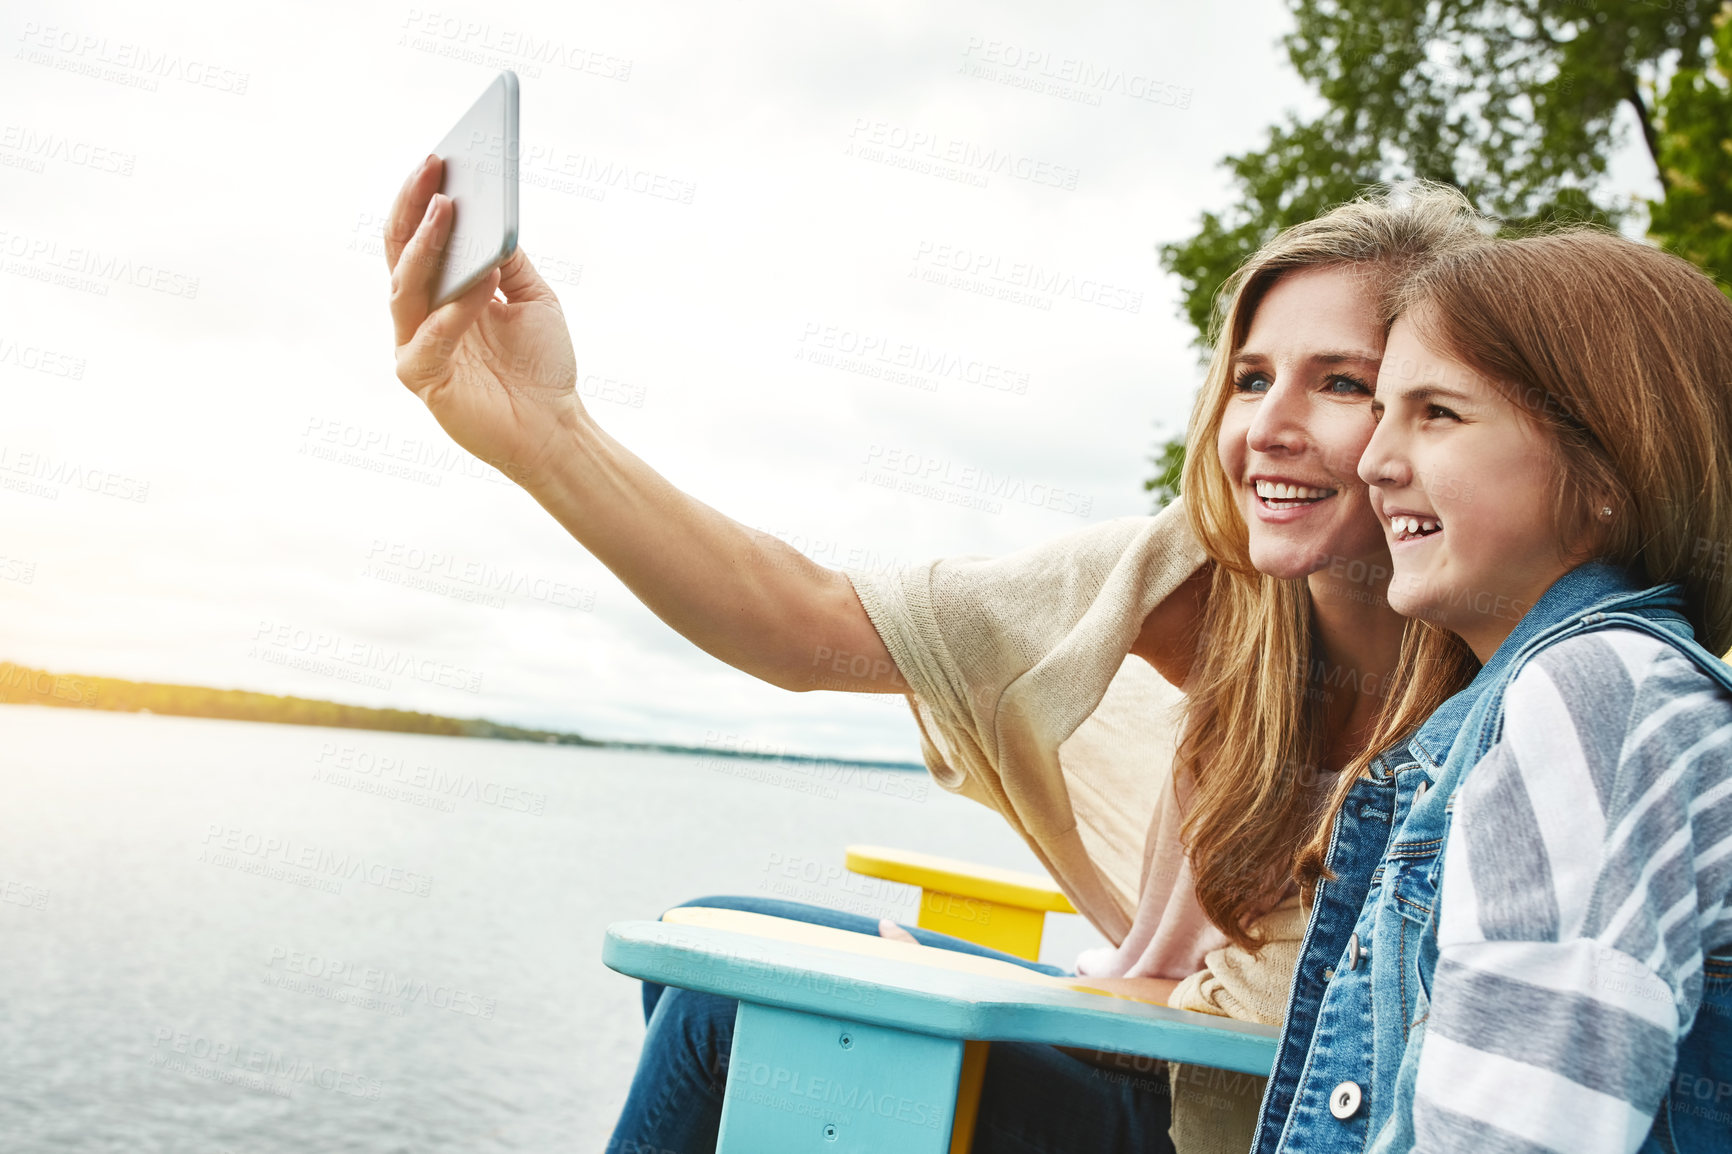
{"points": [[1275, 565], [1541, 954]]}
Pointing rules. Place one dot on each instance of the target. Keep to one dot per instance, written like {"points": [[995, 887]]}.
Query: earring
{"points": [[1605, 510]]}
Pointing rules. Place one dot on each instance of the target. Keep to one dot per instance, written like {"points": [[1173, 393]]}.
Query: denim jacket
{"points": [[1347, 1059]]}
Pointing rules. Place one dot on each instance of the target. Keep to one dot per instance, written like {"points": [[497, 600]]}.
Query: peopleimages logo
{"points": [[501, 46], [326, 975], [237, 848], [929, 476], [900, 362], [38, 147], [43, 474], [37, 359], [122, 61], [934, 153], [276, 641], [1017, 282], [253, 1067], [1067, 77], [383, 451], [469, 579], [354, 767], [42, 258]]}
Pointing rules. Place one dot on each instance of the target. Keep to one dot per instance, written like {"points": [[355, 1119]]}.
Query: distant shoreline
{"points": [[22, 685]]}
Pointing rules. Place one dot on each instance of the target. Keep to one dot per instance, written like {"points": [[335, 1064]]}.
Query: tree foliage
{"points": [[1694, 217], [1169, 462], [22, 685], [1515, 102]]}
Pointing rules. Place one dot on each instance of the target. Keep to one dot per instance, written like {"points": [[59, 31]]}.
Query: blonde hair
{"points": [[1253, 727]]}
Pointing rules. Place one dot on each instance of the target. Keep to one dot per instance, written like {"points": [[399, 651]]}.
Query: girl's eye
{"points": [[1347, 386], [1251, 382], [1438, 412]]}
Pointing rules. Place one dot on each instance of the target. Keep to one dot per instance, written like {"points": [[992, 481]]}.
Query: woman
{"points": [[1540, 953], [1274, 566]]}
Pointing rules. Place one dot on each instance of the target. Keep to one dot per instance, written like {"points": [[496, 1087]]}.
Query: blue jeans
{"points": [[1036, 1099]]}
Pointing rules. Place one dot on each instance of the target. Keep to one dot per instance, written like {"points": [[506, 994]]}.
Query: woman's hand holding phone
{"points": [[499, 376]]}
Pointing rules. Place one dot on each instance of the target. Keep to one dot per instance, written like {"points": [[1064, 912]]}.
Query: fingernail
{"points": [[431, 205], [428, 163]]}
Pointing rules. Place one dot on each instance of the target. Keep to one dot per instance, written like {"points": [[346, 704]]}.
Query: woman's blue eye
{"points": [[1339, 385]]}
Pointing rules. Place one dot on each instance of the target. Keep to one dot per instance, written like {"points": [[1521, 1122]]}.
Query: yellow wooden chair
{"points": [[998, 908]]}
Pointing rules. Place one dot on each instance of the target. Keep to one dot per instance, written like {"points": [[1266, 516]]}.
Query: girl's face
{"points": [[1297, 421], [1462, 481]]}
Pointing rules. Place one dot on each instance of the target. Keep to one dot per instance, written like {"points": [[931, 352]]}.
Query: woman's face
{"points": [[1297, 420], [1463, 481]]}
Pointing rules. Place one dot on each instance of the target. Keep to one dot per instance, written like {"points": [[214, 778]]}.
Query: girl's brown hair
{"points": [[1253, 736], [1623, 354]]}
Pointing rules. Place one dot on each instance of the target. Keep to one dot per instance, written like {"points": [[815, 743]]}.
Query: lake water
{"points": [[229, 938]]}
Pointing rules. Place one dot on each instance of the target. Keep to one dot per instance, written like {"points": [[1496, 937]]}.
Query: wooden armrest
{"points": [[904, 987], [868, 945], [1002, 909], [965, 879]]}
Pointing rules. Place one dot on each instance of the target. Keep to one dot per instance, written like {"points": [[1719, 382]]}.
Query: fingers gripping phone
{"points": [[480, 177]]}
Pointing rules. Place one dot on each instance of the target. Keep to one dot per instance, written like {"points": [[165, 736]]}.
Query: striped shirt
{"points": [[1586, 875]]}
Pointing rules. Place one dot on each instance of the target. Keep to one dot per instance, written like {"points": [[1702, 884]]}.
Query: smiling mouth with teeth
{"points": [[1413, 528], [1278, 496]]}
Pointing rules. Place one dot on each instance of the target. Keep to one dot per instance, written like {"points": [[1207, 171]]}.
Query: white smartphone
{"points": [[480, 177]]}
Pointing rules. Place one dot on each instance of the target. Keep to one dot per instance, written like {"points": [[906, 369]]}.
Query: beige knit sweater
{"points": [[1215, 1111], [1028, 702]]}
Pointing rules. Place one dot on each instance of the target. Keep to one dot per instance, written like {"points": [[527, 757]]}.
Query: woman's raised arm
{"points": [[500, 377]]}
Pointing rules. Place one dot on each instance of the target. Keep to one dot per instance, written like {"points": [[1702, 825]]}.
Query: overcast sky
{"points": [[751, 212]]}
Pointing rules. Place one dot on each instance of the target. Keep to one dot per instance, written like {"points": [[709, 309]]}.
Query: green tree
{"points": [[1694, 216], [1169, 462], [1513, 101]]}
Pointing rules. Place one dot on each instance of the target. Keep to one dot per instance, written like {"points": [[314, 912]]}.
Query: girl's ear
{"points": [[1599, 526]]}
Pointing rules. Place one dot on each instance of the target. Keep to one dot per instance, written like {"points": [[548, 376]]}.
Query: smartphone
{"points": [[480, 155]]}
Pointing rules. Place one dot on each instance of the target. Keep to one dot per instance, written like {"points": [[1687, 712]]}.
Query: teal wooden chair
{"points": [[850, 1043]]}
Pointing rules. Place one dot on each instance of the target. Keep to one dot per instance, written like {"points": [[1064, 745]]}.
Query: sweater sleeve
{"points": [[1214, 1111], [1585, 876], [1027, 700], [1245, 985], [962, 630]]}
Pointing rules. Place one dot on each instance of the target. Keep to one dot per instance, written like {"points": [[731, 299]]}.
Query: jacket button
{"points": [[1355, 951], [1344, 1100]]}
